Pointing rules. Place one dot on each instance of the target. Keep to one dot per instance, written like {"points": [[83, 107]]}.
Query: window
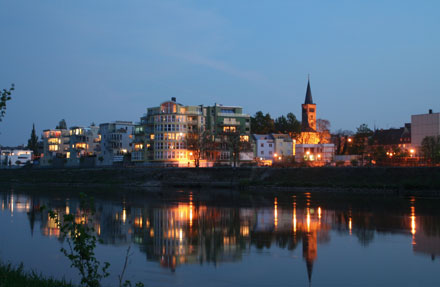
{"points": [[270, 152], [262, 145], [262, 152], [270, 145]]}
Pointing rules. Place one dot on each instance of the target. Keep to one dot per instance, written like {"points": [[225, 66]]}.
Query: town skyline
{"points": [[113, 62]]}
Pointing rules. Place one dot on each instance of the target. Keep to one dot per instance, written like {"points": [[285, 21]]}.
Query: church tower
{"points": [[308, 123]]}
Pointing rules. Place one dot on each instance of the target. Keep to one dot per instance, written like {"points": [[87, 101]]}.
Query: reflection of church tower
{"points": [[310, 251], [308, 123]]}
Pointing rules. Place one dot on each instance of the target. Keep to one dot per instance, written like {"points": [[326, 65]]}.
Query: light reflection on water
{"points": [[198, 243]]}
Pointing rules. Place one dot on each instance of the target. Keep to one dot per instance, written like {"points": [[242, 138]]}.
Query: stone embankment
{"points": [[325, 178]]}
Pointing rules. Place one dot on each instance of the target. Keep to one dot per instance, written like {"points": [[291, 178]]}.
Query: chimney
{"points": [[173, 99], [430, 111]]}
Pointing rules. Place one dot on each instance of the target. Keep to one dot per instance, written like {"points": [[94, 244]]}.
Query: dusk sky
{"points": [[374, 62]]}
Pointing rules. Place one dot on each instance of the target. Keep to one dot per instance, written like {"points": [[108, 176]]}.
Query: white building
{"points": [[264, 146], [116, 141], [318, 154], [15, 157], [424, 125], [284, 145], [83, 142], [55, 146]]}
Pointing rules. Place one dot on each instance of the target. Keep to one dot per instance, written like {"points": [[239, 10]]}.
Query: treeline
{"points": [[264, 124]]}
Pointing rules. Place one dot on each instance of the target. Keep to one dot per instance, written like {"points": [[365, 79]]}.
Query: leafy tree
{"points": [[323, 129], [236, 143], [5, 95], [431, 148], [33, 141], [294, 126], [262, 124], [199, 143], [62, 125], [288, 125], [340, 139], [360, 141]]}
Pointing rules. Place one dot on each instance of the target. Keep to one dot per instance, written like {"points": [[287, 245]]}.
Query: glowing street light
{"points": [[350, 140]]}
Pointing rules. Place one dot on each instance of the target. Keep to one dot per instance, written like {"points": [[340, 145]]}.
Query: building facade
{"points": [[15, 157], [83, 143], [116, 142], [264, 147], [161, 137], [55, 146], [422, 126], [316, 154]]}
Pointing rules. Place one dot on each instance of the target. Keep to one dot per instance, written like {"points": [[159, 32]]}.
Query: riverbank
{"points": [[390, 179], [12, 276]]}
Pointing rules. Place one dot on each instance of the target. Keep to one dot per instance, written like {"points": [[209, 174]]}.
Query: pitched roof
{"points": [[308, 99]]}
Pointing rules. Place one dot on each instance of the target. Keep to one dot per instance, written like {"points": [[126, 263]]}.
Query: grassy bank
{"points": [[15, 276], [394, 178]]}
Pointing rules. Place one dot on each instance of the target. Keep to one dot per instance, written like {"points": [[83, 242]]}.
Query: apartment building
{"points": [[55, 146], [115, 142], [160, 138], [83, 143]]}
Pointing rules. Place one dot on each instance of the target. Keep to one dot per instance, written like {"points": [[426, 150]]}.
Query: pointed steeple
{"points": [[309, 99], [309, 264]]}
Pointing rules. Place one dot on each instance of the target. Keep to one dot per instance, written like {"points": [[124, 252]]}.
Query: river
{"points": [[203, 238]]}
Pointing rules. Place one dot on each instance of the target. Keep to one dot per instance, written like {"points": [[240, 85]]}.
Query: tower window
{"points": [[312, 110]]}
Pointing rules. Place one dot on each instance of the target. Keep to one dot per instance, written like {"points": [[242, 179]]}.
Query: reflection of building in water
{"points": [[190, 232], [427, 242]]}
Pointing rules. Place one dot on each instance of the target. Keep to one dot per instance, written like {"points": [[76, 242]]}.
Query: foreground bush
{"points": [[15, 276]]}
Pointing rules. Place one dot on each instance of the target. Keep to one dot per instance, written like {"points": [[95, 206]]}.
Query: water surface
{"points": [[187, 238]]}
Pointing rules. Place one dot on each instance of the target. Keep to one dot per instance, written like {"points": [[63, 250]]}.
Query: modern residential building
{"points": [[83, 143], [224, 121], [161, 136], [422, 126], [55, 146], [116, 141], [15, 157]]}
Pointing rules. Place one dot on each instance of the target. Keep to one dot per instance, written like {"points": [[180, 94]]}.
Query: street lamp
{"points": [[411, 151]]}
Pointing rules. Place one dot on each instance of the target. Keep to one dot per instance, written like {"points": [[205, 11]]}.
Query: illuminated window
{"points": [[54, 141], [81, 146], [229, 129], [53, 147], [245, 138], [152, 137], [138, 146]]}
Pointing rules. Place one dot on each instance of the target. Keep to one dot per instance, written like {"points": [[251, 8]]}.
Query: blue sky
{"points": [[374, 62]]}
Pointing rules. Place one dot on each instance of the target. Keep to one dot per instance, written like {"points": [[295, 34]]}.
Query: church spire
{"points": [[309, 99]]}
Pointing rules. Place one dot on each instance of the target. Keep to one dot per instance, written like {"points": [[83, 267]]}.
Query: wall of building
{"points": [[424, 125]]}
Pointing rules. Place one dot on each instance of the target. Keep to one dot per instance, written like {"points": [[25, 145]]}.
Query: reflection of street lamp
{"points": [[319, 156]]}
